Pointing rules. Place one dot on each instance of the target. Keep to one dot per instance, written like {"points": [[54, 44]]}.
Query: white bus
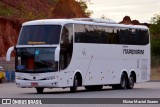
{"points": [[55, 53]]}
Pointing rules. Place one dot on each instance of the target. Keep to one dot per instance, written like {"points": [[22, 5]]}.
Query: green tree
{"points": [[155, 27], [155, 40]]}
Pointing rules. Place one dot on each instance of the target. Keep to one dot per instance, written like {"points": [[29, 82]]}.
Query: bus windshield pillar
{"points": [[57, 51]]}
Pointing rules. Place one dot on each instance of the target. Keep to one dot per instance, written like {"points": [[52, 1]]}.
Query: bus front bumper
{"points": [[32, 84]]}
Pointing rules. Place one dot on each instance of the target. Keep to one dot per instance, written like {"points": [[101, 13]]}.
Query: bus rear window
{"points": [[39, 34]]}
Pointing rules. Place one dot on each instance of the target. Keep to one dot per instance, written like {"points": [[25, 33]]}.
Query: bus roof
{"points": [[77, 21]]}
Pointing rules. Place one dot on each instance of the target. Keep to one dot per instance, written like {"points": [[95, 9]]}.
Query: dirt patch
{"points": [[9, 30], [155, 74]]}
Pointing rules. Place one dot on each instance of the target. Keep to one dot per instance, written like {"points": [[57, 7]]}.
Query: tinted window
{"points": [[66, 46], [144, 37], [110, 35], [90, 34], [39, 34], [44, 59], [36, 60], [123, 36]]}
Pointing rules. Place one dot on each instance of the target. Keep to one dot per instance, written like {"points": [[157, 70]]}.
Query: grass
{"points": [[155, 74], [155, 61], [155, 67]]}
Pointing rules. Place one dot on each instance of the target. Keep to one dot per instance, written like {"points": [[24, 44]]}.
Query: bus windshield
{"points": [[39, 34], [36, 60]]}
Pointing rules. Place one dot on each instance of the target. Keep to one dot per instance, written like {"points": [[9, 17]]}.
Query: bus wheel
{"points": [[130, 83], [39, 90], [123, 82], [75, 85]]}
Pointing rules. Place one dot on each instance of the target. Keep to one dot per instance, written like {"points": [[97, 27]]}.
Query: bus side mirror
{"points": [[57, 52], [9, 51]]}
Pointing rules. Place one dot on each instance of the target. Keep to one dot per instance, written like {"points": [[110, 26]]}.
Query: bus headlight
{"points": [[51, 77], [19, 78]]}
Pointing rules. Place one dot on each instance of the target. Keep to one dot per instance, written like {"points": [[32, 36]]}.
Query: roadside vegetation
{"points": [[155, 41], [5, 11]]}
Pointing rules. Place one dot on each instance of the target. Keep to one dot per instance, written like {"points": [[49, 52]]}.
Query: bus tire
{"points": [[130, 83], [39, 90], [73, 89], [123, 81]]}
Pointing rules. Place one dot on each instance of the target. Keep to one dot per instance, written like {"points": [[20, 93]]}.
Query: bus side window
{"points": [[65, 35], [66, 46]]}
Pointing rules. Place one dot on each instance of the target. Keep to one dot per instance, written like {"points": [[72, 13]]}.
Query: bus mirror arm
{"points": [[9, 51], [57, 51]]}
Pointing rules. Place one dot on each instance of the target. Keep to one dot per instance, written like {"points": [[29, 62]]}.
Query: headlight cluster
{"points": [[51, 77], [19, 78]]}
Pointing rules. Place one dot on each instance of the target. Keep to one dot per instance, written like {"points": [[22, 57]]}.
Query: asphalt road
{"points": [[141, 90]]}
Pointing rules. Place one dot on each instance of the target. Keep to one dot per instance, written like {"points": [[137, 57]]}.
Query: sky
{"points": [[141, 10]]}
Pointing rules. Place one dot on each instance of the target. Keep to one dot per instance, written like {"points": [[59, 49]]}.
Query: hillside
{"points": [[9, 29], [27, 9]]}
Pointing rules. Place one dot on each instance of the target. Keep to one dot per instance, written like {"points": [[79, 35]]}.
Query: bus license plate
{"points": [[34, 84]]}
